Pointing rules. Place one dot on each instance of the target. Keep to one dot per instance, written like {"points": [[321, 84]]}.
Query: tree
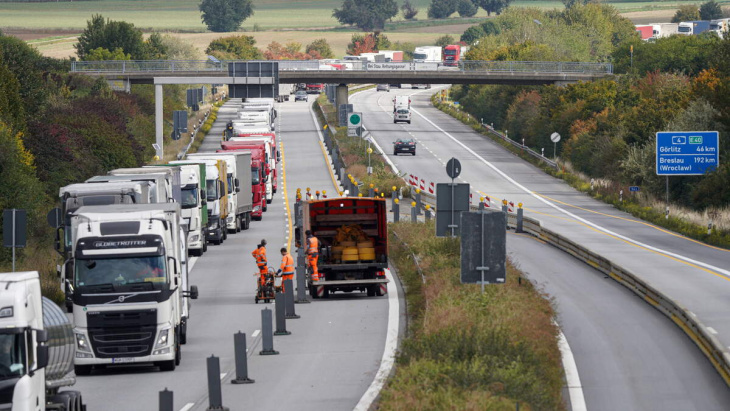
{"points": [[102, 54], [110, 35], [571, 3], [444, 41], [225, 15], [493, 6], [710, 11], [178, 49], [12, 113], [441, 9], [472, 34], [686, 12], [409, 11], [234, 48], [362, 44], [322, 47], [366, 14], [467, 8], [155, 47], [289, 51]]}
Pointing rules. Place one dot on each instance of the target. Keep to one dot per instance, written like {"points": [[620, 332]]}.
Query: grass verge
{"points": [[608, 193], [354, 154], [466, 350]]}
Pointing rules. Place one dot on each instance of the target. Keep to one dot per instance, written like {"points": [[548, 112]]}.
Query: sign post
{"points": [[14, 235], [453, 169], [686, 153], [354, 124], [555, 137]]}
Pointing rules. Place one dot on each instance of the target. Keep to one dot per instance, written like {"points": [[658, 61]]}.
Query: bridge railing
{"points": [[146, 66]]}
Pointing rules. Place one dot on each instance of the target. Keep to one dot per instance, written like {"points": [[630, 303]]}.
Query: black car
{"points": [[404, 145], [300, 95]]}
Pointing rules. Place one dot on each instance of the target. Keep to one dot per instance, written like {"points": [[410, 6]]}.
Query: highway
{"points": [[629, 355], [335, 349]]}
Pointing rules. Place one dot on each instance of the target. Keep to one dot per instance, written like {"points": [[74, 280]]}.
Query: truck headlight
{"points": [[194, 238], [162, 339], [257, 208], [82, 344], [214, 226], [229, 219], [6, 312]]}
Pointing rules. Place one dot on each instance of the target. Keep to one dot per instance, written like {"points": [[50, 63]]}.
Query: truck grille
{"points": [[122, 333]]}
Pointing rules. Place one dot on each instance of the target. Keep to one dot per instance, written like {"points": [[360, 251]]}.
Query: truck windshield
{"points": [[450, 52], [419, 56], [12, 356], [189, 197], [685, 29], [230, 183], [121, 271], [211, 193], [255, 179]]}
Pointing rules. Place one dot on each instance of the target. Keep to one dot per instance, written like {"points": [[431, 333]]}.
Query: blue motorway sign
{"points": [[683, 153], [633, 188]]}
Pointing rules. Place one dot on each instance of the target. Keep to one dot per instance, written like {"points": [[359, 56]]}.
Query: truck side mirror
{"points": [[236, 183], [194, 292], [41, 336], [174, 263], [58, 243], [204, 202], [42, 357], [238, 190]]}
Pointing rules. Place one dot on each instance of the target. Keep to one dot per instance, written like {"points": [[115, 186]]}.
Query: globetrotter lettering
{"points": [[116, 244]]}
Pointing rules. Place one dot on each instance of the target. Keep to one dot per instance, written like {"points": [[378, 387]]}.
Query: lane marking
{"points": [[712, 330], [719, 272], [192, 262], [575, 389], [284, 192], [223, 375], [187, 406], [255, 333], [391, 344]]}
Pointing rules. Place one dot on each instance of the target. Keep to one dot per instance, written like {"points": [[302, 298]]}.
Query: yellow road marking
{"points": [[286, 196]]}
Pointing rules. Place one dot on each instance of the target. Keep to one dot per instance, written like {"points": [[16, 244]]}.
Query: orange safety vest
{"points": [[313, 245], [260, 255], [287, 265]]}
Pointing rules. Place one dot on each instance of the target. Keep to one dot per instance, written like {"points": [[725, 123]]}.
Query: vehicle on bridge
{"points": [[427, 54], [130, 285], [314, 88], [453, 54], [353, 238], [38, 348]]}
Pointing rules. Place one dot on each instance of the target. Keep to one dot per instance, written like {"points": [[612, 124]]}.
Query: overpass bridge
{"points": [[357, 72], [262, 78]]}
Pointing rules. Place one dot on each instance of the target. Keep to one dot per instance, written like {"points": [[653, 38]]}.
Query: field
{"points": [[52, 27]]}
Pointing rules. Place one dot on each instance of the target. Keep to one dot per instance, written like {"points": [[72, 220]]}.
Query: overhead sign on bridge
{"points": [[406, 66]]}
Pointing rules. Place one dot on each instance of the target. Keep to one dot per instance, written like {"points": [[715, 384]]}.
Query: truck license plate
{"points": [[122, 360]]}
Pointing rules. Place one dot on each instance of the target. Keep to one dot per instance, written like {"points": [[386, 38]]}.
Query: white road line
{"points": [[187, 406], [718, 270], [192, 262], [712, 330], [575, 389], [391, 344], [223, 375], [255, 333]]}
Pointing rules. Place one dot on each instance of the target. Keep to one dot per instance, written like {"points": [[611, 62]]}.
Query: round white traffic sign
{"points": [[555, 137]]}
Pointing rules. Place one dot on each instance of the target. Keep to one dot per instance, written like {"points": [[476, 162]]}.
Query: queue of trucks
{"points": [[651, 32], [126, 238]]}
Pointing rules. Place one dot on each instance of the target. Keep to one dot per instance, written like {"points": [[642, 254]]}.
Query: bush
{"points": [[467, 8]]}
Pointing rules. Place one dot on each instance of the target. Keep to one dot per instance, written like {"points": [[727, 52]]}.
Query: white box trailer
{"points": [[160, 189], [240, 201], [171, 174]]}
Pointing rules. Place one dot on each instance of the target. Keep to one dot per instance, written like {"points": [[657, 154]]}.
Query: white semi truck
{"points": [[130, 288], [38, 348], [194, 205], [160, 189]]}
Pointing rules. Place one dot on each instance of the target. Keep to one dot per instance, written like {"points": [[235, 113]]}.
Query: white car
{"points": [[383, 87]]}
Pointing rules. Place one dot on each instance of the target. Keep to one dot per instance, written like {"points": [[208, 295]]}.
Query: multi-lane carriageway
{"points": [[626, 355]]}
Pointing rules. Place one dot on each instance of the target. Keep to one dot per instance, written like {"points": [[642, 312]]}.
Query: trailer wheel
{"points": [[326, 293], [371, 291], [83, 369], [65, 401]]}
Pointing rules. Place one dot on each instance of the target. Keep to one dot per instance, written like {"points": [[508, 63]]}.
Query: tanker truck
{"points": [[37, 348]]}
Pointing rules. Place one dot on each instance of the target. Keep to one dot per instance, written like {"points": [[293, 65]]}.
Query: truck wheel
{"points": [[205, 246], [167, 365], [196, 252], [248, 221], [371, 291], [66, 402], [326, 293], [269, 201], [225, 234], [83, 369], [264, 207], [178, 349], [238, 224]]}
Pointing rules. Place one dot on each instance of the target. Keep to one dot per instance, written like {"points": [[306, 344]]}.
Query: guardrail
{"points": [[524, 148], [146, 66], [710, 346]]}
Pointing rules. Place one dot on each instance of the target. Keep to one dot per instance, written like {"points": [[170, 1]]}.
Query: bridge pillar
{"points": [[158, 120], [341, 97]]}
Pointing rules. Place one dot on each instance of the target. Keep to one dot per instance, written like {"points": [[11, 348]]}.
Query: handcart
{"points": [[266, 290]]}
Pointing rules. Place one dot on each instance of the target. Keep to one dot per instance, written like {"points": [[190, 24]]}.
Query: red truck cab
{"points": [[452, 55], [259, 173]]}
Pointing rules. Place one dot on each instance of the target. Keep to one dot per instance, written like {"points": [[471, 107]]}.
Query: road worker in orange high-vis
{"points": [[312, 254], [287, 267], [260, 255]]}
